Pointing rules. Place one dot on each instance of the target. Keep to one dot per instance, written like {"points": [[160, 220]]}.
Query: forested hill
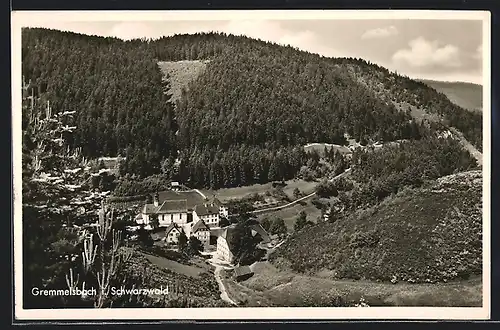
{"points": [[115, 88], [244, 118]]}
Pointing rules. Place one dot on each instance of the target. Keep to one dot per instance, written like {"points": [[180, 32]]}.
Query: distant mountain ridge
{"points": [[464, 94]]}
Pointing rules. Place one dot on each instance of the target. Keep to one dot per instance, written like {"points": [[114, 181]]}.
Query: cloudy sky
{"points": [[448, 50]]}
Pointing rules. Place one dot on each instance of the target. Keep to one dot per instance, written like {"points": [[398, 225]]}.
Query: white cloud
{"points": [[380, 32], [424, 53], [479, 52]]}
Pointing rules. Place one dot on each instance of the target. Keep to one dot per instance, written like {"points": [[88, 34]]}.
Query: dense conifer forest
{"points": [[243, 120]]}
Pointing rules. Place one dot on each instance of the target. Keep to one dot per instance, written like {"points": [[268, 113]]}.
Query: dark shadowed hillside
{"points": [[429, 234]]}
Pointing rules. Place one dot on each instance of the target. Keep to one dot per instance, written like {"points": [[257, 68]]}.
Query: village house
{"points": [[224, 251], [265, 239], [172, 233], [223, 210], [207, 212], [201, 231]]}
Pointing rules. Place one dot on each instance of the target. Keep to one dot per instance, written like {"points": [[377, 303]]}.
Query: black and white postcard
{"points": [[190, 165]]}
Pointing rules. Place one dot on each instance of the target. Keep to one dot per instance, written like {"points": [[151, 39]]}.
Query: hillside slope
{"points": [[420, 100], [468, 96], [250, 109], [429, 234]]}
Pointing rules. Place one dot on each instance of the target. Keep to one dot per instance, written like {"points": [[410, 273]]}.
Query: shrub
{"points": [[326, 189]]}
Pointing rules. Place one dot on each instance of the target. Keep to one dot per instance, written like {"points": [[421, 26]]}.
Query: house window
{"points": [[180, 216], [171, 217]]}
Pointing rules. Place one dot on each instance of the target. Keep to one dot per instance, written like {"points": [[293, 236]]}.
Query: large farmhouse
{"points": [[167, 213], [207, 212], [189, 211], [225, 242]]}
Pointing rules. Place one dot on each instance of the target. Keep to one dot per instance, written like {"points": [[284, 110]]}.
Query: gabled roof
{"points": [[200, 225], [216, 232], [173, 207], [216, 202], [172, 226], [149, 209], [206, 209], [193, 198], [257, 229], [242, 270]]}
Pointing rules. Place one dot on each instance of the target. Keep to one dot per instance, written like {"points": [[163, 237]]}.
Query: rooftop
{"points": [[200, 225], [242, 270], [174, 206], [172, 226], [191, 197], [258, 229], [169, 206], [206, 209]]}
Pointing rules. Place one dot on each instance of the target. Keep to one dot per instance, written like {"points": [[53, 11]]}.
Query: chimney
{"points": [[156, 199]]}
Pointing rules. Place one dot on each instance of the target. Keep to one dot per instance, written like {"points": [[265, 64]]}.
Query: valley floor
{"points": [[272, 287]]}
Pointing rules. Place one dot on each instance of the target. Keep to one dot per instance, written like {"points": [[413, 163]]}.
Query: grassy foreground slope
{"points": [[274, 287], [429, 234]]}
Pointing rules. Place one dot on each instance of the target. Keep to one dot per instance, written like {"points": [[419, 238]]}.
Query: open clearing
{"points": [[274, 287], [320, 148], [289, 214], [180, 74], [236, 193]]}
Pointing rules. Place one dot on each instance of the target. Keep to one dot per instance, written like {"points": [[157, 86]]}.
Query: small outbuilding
{"points": [[242, 273]]}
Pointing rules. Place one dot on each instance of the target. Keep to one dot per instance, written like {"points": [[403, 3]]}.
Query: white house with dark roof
{"points": [[225, 241], [208, 213], [172, 233], [223, 211], [168, 212], [225, 250], [201, 231]]}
